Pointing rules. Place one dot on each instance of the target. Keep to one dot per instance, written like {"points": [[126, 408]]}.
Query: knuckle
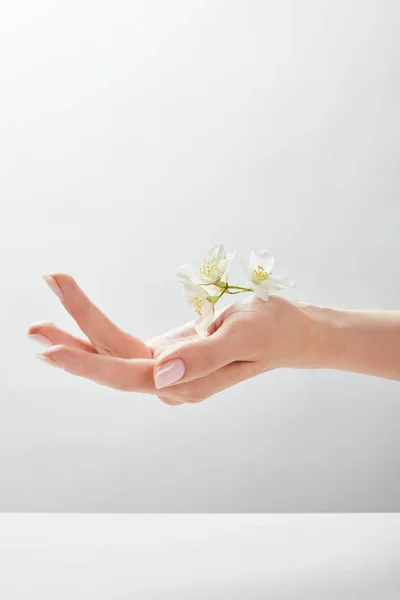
{"points": [[105, 350]]}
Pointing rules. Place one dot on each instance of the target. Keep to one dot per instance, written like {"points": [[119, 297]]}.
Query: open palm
{"points": [[117, 359]]}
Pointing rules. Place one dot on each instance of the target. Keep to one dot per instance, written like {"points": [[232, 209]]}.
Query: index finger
{"points": [[105, 336]]}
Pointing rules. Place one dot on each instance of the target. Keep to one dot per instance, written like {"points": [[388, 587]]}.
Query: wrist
{"points": [[324, 345]]}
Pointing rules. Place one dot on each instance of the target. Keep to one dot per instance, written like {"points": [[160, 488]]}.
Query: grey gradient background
{"points": [[133, 137]]}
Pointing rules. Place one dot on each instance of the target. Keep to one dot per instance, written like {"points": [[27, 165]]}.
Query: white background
{"points": [[206, 557], [133, 137]]}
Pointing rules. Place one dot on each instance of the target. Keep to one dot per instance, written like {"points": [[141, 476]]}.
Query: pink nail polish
{"points": [[169, 373], [47, 360], [53, 285], [41, 339]]}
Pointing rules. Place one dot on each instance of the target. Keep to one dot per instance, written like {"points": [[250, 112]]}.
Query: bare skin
{"points": [[247, 338]]}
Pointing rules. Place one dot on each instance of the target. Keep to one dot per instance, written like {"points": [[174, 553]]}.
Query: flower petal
{"points": [[217, 252], [224, 276], [185, 273], [208, 320], [191, 290], [279, 282], [211, 290], [207, 317], [224, 266], [261, 291], [201, 279], [206, 310], [264, 258], [199, 327]]}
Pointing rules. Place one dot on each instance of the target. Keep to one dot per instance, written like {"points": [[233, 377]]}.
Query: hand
{"points": [[247, 338]]}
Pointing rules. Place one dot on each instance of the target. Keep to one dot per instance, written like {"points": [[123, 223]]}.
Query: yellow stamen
{"points": [[197, 304], [209, 268], [260, 273]]}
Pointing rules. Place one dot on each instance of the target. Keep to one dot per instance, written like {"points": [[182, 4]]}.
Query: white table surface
{"points": [[197, 557]]}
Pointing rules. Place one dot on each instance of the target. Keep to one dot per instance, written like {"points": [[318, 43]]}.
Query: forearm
{"points": [[364, 341]]}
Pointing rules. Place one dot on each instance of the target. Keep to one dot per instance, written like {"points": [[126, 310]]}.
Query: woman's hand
{"points": [[247, 338]]}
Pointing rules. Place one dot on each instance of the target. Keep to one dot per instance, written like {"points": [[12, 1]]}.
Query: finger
{"points": [[171, 402], [160, 342], [105, 336], [161, 346], [49, 334], [195, 358], [199, 389], [134, 375]]}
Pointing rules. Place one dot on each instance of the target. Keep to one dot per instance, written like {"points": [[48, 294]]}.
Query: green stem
{"points": [[226, 289], [214, 299], [242, 289], [222, 293], [216, 283]]}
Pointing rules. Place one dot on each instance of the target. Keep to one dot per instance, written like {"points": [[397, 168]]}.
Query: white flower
{"points": [[259, 272], [202, 304], [215, 269], [217, 266]]}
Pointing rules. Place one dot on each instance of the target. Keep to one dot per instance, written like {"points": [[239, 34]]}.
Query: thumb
{"points": [[194, 359]]}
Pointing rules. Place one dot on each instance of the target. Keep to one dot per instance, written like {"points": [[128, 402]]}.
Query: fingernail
{"points": [[47, 360], [42, 339], [169, 372], [53, 285]]}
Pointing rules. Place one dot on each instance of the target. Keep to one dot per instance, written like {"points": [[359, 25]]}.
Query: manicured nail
{"points": [[47, 360], [169, 372], [42, 339], [53, 285]]}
